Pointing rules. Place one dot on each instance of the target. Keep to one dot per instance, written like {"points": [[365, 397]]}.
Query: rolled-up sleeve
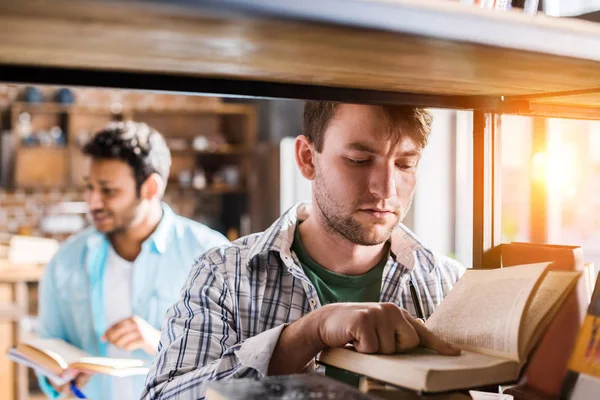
{"points": [[200, 339]]}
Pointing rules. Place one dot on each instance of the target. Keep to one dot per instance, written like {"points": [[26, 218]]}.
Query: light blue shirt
{"points": [[71, 303]]}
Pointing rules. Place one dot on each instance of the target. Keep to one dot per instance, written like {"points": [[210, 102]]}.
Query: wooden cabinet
{"points": [[42, 167]]}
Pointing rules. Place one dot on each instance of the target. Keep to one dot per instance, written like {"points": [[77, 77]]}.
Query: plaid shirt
{"points": [[238, 298]]}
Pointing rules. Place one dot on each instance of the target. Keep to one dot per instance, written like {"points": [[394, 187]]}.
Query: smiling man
{"points": [[337, 271], [107, 289]]}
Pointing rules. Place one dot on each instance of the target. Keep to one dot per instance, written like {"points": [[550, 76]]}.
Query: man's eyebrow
{"points": [[367, 149], [86, 179], [410, 153], [361, 147]]}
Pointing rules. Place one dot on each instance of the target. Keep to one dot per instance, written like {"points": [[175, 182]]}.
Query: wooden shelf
{"points": [[174, 185], [436, 53], [219, 108], [53, 108], [222, 190], [209, 108], [232, 150], [19, 273], [46, 107]]}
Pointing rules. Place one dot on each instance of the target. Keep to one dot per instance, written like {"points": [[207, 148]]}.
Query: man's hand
{"points": [[370, 327], [80, 381], [133, 333], [377, 328]]}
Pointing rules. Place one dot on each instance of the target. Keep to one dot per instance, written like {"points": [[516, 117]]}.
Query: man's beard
{"points": [[125, 219], [344, 225]]}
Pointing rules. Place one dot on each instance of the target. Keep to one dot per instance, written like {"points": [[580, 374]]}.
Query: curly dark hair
{"points": [[139, 145], [401, 120]]}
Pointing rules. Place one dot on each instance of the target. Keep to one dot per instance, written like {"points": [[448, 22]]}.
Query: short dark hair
{"points": [[413, 121], [139, 145]]}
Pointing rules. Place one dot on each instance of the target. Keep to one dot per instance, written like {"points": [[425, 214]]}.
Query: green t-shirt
{"points": [[336, 288]]}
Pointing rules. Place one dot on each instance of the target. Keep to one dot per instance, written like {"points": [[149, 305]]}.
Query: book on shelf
{"points": [[582, 381], [547, 366], [495, 316], [60, 361]]}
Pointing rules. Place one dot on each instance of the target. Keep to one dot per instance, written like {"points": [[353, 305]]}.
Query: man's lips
{"points": [[379, 213], [99, 217]]}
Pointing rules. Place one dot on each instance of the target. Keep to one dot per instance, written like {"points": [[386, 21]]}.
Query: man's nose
{"points": [[383, 181], [94, 200]]}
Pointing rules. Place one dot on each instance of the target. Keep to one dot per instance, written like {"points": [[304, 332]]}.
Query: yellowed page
{"points": [[483, 311], [120, 367], [61, 351], [547, 299]]}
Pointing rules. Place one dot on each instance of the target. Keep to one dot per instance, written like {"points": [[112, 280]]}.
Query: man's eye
{"points": [[107, 191], [355, 161], [406, 167]]}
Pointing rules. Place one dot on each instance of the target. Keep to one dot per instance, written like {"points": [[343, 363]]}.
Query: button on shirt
{"points": [[238, 299]]}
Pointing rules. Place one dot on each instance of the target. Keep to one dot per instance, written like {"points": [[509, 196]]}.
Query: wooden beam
{"points": [[198, 42], [487, 229], [538, 214]]}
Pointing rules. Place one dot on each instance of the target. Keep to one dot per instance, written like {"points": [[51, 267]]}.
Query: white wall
{"points": [[433, 204], [294, 188], [570, 7], [463, 214]]}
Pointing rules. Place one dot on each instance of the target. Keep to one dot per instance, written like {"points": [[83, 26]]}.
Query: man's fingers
{"points": [[62, 389], [366, 340], [128, 337], [133, 345], [429, 340], [386, 337], [407, 337], [119, 329], [82, 379]]}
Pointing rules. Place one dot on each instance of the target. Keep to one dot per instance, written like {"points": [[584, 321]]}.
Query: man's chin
{"points": [[374, 235], [102, 228]]}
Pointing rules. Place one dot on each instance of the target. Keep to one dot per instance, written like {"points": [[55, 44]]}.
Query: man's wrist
{"points": [[298, 343], [310, 329]]}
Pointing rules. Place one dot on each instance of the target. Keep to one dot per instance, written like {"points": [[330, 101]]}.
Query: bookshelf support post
{"points": [[487, 232]]}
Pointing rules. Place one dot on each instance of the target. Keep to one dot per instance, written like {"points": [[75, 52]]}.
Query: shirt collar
{"points": [[158, 240], [280, 235]]}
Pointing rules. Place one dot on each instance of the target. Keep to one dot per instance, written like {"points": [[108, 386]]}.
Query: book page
{"points": [[483, 311], [548, 297], [424, 369], [114, 363], [61, 351], [120, 367]]}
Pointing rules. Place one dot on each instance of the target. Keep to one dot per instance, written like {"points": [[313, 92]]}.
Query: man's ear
{"points": [[305, 157], [153, 187]]}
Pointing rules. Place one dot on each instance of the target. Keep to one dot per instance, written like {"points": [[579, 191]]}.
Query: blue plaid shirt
{"points": [[238, 298]]}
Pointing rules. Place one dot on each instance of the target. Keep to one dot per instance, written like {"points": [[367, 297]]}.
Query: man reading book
{"points": [[323, 275], [107, 289]]}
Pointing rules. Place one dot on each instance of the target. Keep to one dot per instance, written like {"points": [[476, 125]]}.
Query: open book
{"points": [[60, 362], [495, 316]]}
